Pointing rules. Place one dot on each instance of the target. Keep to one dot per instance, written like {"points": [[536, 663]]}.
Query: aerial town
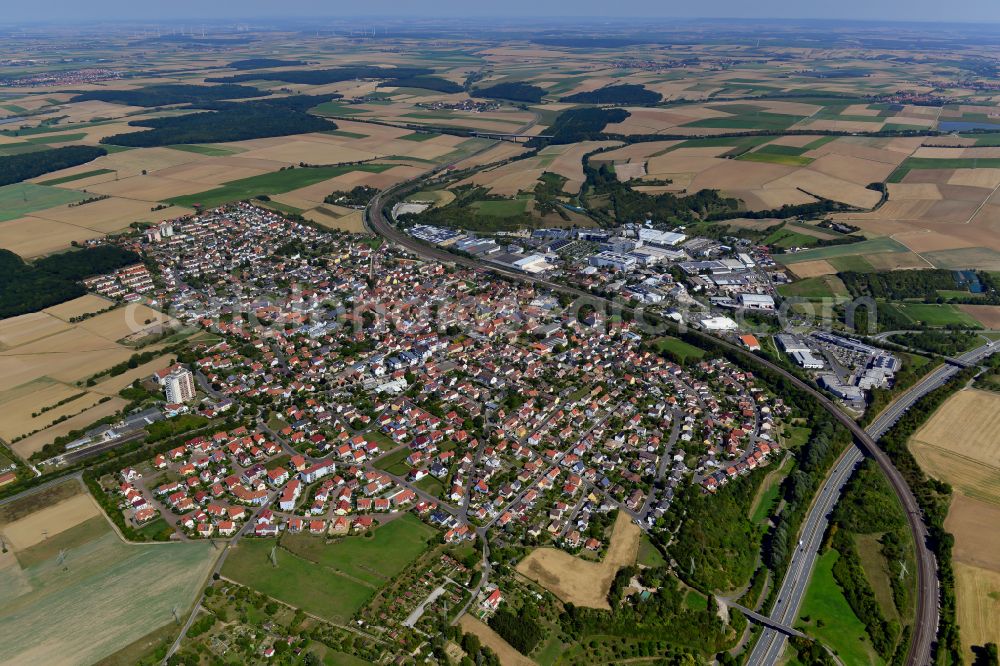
{"points": [[499, 336]]}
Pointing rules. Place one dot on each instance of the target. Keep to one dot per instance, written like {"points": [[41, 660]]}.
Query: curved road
{"points": [[771, 643], [925, 627]]}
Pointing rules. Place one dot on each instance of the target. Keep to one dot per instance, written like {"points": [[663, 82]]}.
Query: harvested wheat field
{"points": [[977, 593], [18, 411], [817, 268], [973, 524], [124, 590], [975, 416], [87, 304], [20, 330], [49, 521], [109, 215], [507, 654], [987, 315], [577, 580], [123, 322], [31, 237], [37, 442], [959, 444]]}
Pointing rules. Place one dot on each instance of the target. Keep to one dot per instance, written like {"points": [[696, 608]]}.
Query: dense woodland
{"points": [[54, 279], [716, 545], [515, 91], [945, 343], [629, 205], [575, 125], [899, 285], [261, 63], [435, 83], [869, 507], [358, 196], [663, 616], [170, 93], [15, 168], [230, 121], [626, 93], [318, 77], [809, 210]]}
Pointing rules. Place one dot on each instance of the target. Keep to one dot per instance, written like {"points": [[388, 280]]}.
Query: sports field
{"points": [[124, 590]]}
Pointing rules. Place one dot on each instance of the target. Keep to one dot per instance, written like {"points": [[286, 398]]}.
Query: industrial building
{"points": [[614, 261]]}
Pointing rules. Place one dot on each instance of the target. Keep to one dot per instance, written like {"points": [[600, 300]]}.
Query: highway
{"points": [[771, 644], [800, 568]]}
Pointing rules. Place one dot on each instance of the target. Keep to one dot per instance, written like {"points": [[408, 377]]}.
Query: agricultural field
{"points": [[332, 580], [133, 588], [579, 581], [970, 462], [45, 361]]}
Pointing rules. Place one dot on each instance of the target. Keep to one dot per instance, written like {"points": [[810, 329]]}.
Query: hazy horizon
{"points": [[972, 11]]}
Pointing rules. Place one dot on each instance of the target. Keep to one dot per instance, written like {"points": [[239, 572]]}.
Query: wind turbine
{"points": [[274, 556]]}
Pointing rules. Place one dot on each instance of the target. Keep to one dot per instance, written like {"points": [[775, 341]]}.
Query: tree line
{"points": [[16, 168], [170, 93], [230, 121], [625, 93], [630, 205], [318, 77], [54, 279], [516, 91]]}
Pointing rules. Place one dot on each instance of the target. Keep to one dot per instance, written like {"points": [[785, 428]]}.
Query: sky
{"points": [[162, 10]]}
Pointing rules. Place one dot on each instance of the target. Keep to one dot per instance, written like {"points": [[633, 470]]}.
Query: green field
{"points": [[124, 591], [788, 238], [776, 158], [337, 109], [76, 176], [873, 246], [984, 139], [395, 463], [205, 149], [739, 144], [371, 559], [825, 286], [277, 182], [932, 314], [333, 580], [346, 134], [911, 163], [854, 263], [420, 136], [501, 208], [649, 556], [767, 495], [682, 349], [841, 629], [755, 120], [295, 581], [20, 199]]}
